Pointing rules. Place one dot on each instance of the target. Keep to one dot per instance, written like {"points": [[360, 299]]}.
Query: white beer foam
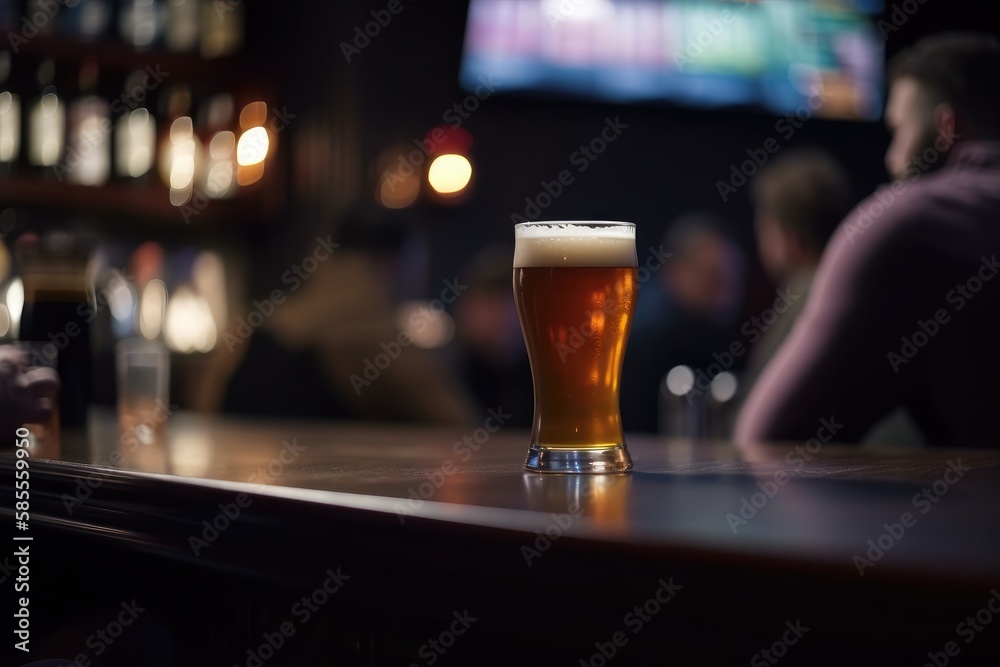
{"points": [[562, 244]]}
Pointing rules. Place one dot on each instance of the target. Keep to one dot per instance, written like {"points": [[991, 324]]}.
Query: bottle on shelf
{"points": [[222, 28], [87, 19], [46, 126], [141, 22], [88, 149], [41, 16], [10, 115], [215, 129], [180, 152], [135, 129], [183, 25]]}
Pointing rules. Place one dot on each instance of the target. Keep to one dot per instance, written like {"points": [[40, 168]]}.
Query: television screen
{"points": [[772, 54]]}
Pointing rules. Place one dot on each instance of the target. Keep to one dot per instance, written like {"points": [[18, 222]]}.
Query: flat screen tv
{"points": [[775, 55]]}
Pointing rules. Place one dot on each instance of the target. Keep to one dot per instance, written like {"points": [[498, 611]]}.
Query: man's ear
{"points": [[946, 122]]}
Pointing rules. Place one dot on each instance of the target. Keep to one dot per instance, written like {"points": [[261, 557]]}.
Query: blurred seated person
{"points": [[903, 311], [799, 199], [492, 360], [27, 394], [684, 313], [334, 348]]}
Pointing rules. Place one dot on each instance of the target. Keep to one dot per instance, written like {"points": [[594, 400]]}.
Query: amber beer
{"points": [[575, 286]]}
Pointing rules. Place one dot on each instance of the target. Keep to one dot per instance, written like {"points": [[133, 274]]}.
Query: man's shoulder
{"points": [[911, 233], [904, 209]]}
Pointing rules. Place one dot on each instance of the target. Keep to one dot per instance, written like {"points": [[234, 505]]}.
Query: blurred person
{"points": [[683, 313], [492, 359], [799, 199], [904, 310], [27, 394], [333, 347]]}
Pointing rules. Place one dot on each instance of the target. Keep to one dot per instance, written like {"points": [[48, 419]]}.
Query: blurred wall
{"points": [[402, 83]]}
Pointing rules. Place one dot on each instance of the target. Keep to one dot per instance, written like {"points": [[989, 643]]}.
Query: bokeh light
{"points": [[15, 304], [189, 325], [449, 173], [427, 323], [680, 380], [252, 148], [723, 387], [152, 308]]}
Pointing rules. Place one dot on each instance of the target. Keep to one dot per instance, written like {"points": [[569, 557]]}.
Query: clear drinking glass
{"points": [[143, 391], [575, 285]]}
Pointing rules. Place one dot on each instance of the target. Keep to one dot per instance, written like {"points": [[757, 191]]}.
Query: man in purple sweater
{"points": [[905, 306]]}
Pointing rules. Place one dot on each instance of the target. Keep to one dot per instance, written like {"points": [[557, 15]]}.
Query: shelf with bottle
{"points": [[150, 204], [161, 147], [194, 38], [121, 57]]}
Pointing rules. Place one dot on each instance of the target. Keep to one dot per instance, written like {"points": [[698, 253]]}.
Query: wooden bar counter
{"points": [[238, 542]]}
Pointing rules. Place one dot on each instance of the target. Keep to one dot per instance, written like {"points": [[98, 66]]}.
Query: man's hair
{"points": [[958, 68], [807, 192]]}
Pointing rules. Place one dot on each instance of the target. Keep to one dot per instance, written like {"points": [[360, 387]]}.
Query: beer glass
{"points": [[575, 285]]}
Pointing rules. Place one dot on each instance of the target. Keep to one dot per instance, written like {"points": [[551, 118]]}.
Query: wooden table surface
{"points": [[828, 532]]}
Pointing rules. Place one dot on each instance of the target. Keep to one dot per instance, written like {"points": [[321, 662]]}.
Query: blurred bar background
{"points": [[188, 162]]}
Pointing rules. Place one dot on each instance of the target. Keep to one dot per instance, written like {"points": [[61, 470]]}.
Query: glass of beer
{"points": [[575, 286]]}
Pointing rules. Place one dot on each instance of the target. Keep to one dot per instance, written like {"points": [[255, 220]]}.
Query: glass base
{"points": [[548, 459]]}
